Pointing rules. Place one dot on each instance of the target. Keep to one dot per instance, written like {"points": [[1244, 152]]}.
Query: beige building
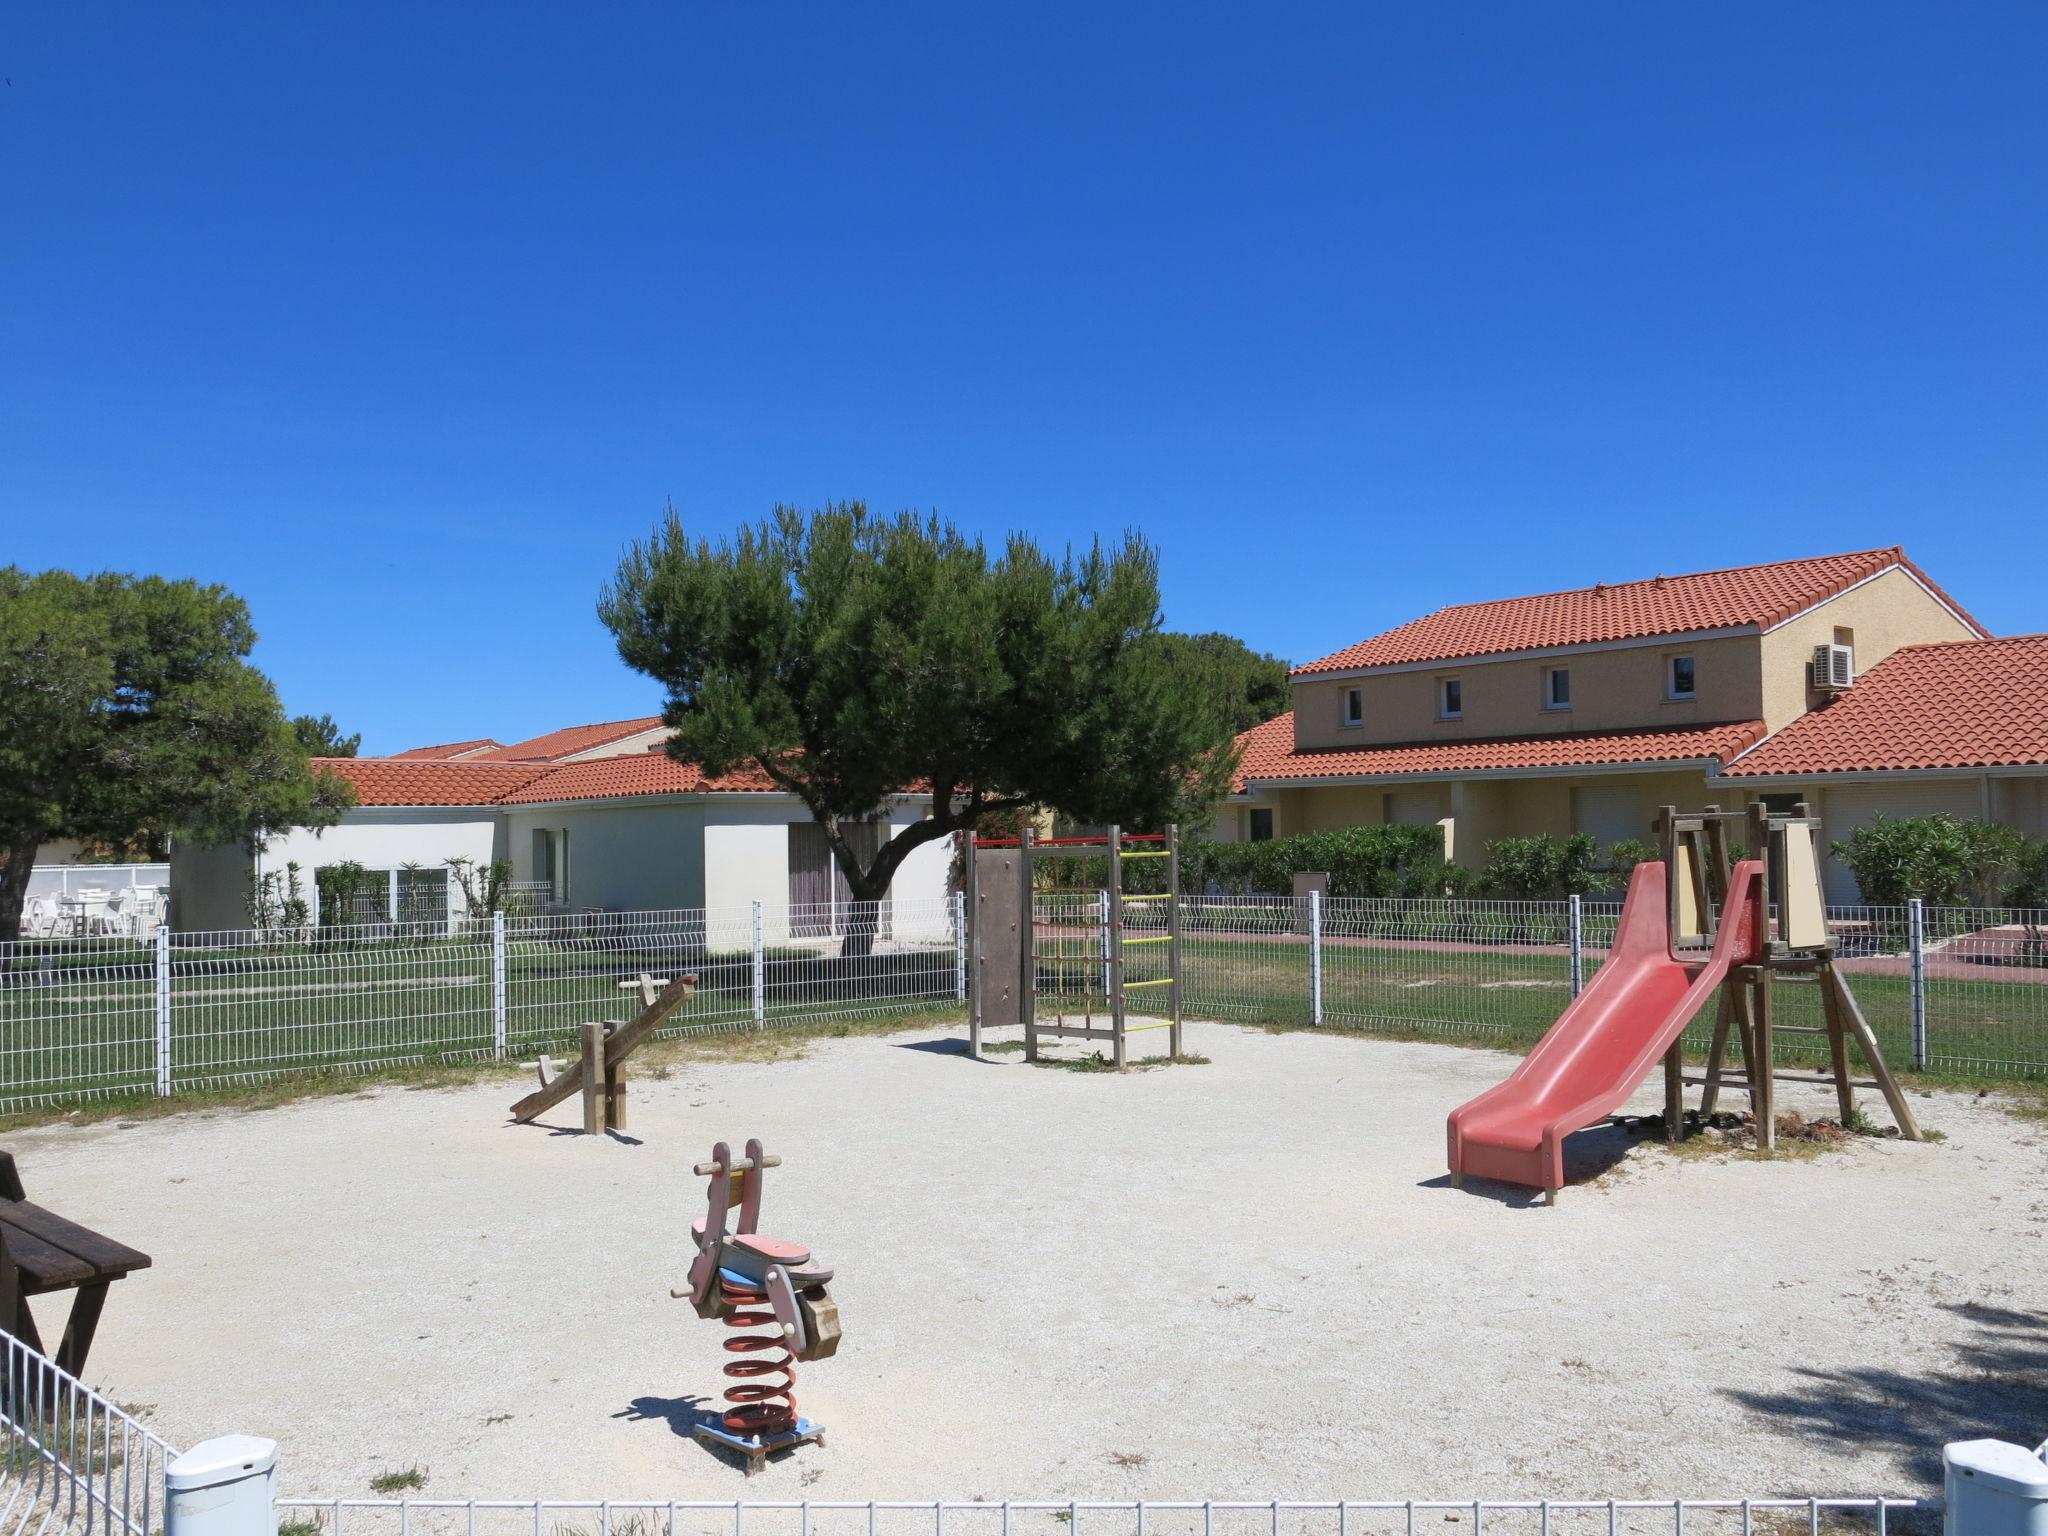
{"points": [[1579, 711]]}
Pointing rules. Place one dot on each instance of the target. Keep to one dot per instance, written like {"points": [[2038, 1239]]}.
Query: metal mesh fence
{"points": [[1948, 990]]}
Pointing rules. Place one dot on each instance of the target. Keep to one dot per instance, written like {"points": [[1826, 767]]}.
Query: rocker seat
{"points": [[773, 1249]]}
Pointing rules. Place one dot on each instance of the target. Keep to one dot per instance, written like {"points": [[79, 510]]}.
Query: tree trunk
{"points": [[20, 864]]}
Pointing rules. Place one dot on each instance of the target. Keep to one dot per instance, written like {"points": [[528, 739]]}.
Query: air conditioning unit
{"points": [[1834, 667]]}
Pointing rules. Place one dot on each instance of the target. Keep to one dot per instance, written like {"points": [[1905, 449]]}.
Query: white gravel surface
{"points": [[1244, 1279]]}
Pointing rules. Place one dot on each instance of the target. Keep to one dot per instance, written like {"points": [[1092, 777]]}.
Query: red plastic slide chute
{"points": [[1604, 1044]]}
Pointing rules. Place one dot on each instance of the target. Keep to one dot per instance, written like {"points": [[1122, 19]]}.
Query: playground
{"points": [[1235, 1277]]}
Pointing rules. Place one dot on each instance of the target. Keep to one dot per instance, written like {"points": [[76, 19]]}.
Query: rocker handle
{"points": [[738, 1165]]}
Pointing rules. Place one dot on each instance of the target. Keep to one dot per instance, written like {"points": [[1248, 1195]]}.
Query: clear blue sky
{"points": [[401, 319]]}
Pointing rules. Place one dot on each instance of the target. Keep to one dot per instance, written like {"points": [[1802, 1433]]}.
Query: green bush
{"points": [[1360, 861], [1542, 868], [1945, 860]]}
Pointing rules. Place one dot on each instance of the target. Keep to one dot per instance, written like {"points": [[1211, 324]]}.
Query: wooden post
{"points": [[1116, 944], [1764, 1092], [1173, 933], [970, 885], [614, 1088], [1027, 930], [1674, 1093], [1838, 1041], [593, 1079]]}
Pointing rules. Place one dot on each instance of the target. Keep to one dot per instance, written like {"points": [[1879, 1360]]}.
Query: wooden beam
{"points": [[1873, 1055]]}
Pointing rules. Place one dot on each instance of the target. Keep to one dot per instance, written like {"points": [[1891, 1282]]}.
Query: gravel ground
{"points": [[1242, 1279]]}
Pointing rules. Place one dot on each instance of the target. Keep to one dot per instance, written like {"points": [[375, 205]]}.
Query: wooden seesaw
{"points": [[600, 1074]]}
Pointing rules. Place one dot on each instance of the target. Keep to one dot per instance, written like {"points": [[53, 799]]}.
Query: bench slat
{"points": [[103, 1258], [42, 1267]]}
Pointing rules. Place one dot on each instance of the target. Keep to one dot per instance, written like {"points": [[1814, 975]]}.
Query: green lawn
{"points": [[1975, 1028]]}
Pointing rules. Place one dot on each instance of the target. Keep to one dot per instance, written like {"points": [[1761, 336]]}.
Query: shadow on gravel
{"points": [[1995, 1387]]}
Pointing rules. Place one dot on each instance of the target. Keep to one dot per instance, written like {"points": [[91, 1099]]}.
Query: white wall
{"points": [[624, 856]]}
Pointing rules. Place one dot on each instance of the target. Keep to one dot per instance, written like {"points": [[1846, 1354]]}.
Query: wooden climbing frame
{"points": [[1696, 852], [1026, 959]]}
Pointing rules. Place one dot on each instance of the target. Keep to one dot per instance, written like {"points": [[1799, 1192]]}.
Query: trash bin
{"points": [[223, 1487], [1993, 1488]]}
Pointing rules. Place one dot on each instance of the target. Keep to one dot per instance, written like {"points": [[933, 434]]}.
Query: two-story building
{"points": [[1579, 711]]}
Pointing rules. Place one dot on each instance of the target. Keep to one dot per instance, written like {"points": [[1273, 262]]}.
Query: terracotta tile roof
{"points": [[1749, 596], [448, 749], [571, 739], [1964, 704], [1269, 752], [636, 773], [432, 781]]}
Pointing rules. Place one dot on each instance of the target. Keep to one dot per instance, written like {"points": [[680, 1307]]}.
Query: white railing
{"points": [[96, 900], [1869, 1516], [71, 1460]]}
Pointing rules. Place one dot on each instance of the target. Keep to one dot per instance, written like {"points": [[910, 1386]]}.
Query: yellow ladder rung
{"points": [[1164, 896], [1164, 981], [1155, 854], [1139, 1029], [1166, 939]]}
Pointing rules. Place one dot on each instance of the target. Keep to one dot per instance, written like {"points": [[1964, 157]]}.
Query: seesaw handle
{"points": [[738, 1165]]}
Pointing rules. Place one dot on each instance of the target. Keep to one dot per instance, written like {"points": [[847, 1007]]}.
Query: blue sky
{"points": [[402, 320]]}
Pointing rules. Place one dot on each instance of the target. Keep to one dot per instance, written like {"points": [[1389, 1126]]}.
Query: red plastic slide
{"points": [[1604, 1044]]}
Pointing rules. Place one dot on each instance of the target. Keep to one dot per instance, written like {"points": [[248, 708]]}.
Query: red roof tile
{"points": [[1269, 752], [1964, 704], [429, 781], [1750, 596], [636, 773], [571, 739], [448, 749]]}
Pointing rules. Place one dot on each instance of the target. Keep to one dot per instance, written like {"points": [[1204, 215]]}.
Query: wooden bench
{"points": [[41, 1252]]}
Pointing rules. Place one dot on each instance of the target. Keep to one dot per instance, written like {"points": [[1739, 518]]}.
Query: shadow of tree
{"points": [[1995, 1388]]}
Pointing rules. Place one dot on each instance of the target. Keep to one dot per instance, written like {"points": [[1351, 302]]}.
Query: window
{"points": [[1678, 683], [1354, 706], [1557, 688], [1450, 699], [1259, 826]]}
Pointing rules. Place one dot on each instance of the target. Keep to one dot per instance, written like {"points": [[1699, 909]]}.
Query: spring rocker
{"points": [[1076, 959], [600, 1072], [750, 1281], [1694, 924]]}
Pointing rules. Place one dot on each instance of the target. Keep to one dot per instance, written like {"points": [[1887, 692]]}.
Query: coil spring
{"points": [[764, 1408]]}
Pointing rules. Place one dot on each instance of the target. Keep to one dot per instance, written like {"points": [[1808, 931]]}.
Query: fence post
{"points": [[960, 946], [1102, 945], [498, 985], [1916, 946], [1315, 957], [1576, 923], [760, 972], [163, 1011]]}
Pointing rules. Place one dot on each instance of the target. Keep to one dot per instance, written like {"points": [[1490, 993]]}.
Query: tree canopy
{"points": [[1253, 683], [129, 711], [321, 737], [852, 657]]}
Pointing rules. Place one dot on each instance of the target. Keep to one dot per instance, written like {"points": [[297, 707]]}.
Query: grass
{"points": [[77, 1020], [410, 1480]]}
